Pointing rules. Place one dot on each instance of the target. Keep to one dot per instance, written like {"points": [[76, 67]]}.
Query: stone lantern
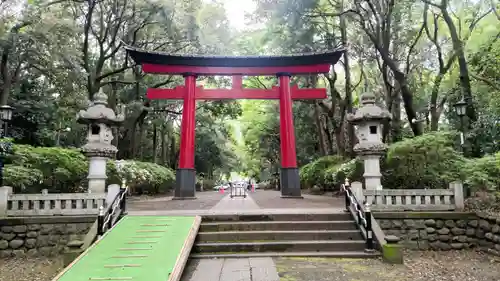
{"points": [[368, 121], [100, 119]]}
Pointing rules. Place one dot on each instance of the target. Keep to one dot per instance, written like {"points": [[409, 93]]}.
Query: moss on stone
{"points": [[70, 255], [392, 253]]}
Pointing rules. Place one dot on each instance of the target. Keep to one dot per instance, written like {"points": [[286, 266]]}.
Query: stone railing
{"points": [[57, 204], [413, 199]]}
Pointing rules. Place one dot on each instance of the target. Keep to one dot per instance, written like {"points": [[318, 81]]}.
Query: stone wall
{"points": [[443, 230], [41, 235]]}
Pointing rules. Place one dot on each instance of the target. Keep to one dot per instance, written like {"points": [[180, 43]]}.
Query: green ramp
{"points": [[138, 248]]}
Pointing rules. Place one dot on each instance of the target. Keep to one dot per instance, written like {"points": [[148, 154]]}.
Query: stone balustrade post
{"points": [[458, 190], [357, 191], [5, 191]]}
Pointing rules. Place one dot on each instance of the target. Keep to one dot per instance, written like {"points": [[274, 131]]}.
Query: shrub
{"points": [[65, 170], [141, 177], [427, 161], [483, 173], [352, 170], [23, 179], [266, 185], [208, 184], [315, 173]]}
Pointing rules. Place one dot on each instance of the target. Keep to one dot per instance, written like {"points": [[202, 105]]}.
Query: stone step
{"points": [[276, 235], [280, 246], [341, 216], [334, 254], [277, 225]]}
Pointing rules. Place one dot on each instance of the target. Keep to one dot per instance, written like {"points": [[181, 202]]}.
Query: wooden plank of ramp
{"points": [[124, 253], [182, 259]]}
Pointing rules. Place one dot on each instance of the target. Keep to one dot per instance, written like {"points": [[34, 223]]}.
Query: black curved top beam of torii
{"points": [[165, 63]]}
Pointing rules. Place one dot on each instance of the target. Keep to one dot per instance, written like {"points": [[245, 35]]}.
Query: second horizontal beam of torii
{"points": [[237, 92]]}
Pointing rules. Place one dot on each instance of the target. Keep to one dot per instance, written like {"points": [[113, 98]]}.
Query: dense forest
{"points": [[419, 57]]}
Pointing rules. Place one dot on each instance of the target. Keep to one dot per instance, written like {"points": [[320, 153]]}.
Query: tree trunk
{"points": [[458, 47], [395, 126], [407, 96], [155, 144], [329, 135], [173, 153], [349, 147], [164, 147], [433, 104], [140, 145], [319, 127]]}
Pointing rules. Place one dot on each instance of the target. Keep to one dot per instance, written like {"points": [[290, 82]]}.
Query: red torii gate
{"points": [[192, 66]]}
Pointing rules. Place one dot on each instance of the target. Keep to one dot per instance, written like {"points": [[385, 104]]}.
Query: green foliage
{"points": [[427, 161], [330, 171], [316, 172], [208, 184], [21, 178], [141, 177], [352, 170], [483, 173], [65, 170]]}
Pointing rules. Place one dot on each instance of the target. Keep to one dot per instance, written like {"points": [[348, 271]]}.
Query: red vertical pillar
{"points": [[186, 174], [289, 178]]}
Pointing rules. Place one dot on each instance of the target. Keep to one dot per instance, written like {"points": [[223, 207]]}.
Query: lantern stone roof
{"points": [[369, 111], [99, 112]]}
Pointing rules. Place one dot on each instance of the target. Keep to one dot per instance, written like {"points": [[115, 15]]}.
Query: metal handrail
{"points": [[363, 215], [106, 219]]}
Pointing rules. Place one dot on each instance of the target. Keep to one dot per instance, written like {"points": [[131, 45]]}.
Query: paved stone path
{"points": [[272, 199], [263, 202], [246, 269], [204, 201]]}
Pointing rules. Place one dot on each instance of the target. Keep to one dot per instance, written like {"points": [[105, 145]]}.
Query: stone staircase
{"points": [[315, 235]]}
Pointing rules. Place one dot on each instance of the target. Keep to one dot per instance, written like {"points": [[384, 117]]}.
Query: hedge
{"points": [[484, 173], [314, 172], [427, 161], [30, 169]]}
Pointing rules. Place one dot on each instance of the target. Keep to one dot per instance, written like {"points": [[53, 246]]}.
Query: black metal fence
{"points": [[362, 215], [237, 191]]}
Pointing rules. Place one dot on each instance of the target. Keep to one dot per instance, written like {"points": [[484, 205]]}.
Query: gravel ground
{"points": [[205, 200], [29, 269], [270, 199], [419, 266]]}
